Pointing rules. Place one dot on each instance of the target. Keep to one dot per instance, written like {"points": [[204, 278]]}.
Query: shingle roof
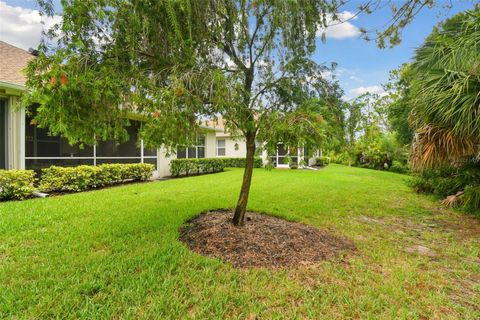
{"points": [[12, 61]]}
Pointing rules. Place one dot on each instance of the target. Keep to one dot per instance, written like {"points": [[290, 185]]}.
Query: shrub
{"points": [[294, 166], [449, 181], [344, 158], [420, 185], [16, 184], [269, 166], [73, 179], [180, 167], [240, 162], [471, 199], [371, 158], [399, 167], [322, 161]]}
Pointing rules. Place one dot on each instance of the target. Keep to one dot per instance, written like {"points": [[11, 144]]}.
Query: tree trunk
{"points": [[239, 216]]}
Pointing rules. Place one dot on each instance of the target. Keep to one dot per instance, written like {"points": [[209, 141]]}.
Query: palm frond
{"points": [[434, 146]]}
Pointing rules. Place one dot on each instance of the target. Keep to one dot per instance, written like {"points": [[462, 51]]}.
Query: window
{"points": [[221, 150], [197, 151]]}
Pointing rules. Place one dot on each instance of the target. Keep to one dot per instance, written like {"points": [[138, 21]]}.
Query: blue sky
{"points": [[361, 65]]}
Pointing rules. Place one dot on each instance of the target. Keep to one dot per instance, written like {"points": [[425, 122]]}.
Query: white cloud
{"points": [[355, 92], [340, 28], [22, 27], [356, 79]]}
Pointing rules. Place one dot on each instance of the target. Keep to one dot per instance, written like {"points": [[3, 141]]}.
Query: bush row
{"points": [[240, 162], [16, 184], [185, 167], [58, 179]]}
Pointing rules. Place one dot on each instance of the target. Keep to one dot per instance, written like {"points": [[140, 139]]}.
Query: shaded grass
{"points": [[115, 252]]}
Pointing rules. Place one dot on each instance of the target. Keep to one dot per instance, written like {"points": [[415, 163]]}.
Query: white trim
{"points": [[12, 86]]}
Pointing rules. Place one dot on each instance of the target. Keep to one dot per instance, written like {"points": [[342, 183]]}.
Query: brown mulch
{"points": [[264, 241]]}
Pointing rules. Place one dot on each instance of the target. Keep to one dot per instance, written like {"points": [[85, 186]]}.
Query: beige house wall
{"points": [[163, 166], [210, 144], [234, 147]]}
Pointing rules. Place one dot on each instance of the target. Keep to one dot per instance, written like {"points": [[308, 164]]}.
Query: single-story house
{"points": [[23, 145]]}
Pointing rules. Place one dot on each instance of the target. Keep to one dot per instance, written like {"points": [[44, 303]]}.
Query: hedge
{"points": [[58, 179], [180, 167], [322, 161], [240, 162], [16, 184], [185, 167]]}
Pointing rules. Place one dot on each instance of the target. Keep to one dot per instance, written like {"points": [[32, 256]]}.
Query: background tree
{"points": [[332, 109], [398, 103], [176, 62]]}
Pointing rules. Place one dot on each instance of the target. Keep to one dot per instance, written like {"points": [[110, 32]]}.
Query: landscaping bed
{"points": [[264, 241]]}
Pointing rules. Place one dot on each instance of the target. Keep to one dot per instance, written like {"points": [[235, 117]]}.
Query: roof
{"points": [[210, 128], [12, 61], [216, 123]]}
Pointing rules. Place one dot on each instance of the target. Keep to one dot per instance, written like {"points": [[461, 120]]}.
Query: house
{"points": [[228, 145], [23, 145]]}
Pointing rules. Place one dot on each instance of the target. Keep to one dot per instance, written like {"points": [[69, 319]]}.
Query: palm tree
{"points": [[446, 87]]}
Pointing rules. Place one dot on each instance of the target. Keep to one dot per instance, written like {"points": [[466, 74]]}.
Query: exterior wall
{"points": [[210, 144], [15, 129], [230, 150], [164, 159], [163, 166], [312, 161]]}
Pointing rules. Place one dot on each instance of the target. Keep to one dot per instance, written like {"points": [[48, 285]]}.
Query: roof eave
{"points": [[12, 88]]}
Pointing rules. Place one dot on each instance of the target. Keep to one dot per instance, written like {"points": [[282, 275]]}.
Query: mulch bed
{"points": [[264, 241]]}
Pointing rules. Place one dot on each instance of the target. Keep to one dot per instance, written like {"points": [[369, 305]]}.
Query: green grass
{"points": [[114, 253]]}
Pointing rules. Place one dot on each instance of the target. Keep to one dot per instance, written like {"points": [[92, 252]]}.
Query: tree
{"points": [[353, 121], [332, 109], [176, 62], [398, 104], [446, 92]]}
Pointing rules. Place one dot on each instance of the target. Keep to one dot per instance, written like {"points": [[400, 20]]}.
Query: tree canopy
{"points": [[174, 63]]}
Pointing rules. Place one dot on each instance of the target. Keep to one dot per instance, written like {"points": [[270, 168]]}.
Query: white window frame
{"points": [[187, 155], [224, 147]]}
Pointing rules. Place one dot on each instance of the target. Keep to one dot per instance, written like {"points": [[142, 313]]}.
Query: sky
{"points": [[362, 66]]}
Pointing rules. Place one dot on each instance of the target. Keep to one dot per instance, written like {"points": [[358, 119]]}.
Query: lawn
{"points": [[114, 253]]}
